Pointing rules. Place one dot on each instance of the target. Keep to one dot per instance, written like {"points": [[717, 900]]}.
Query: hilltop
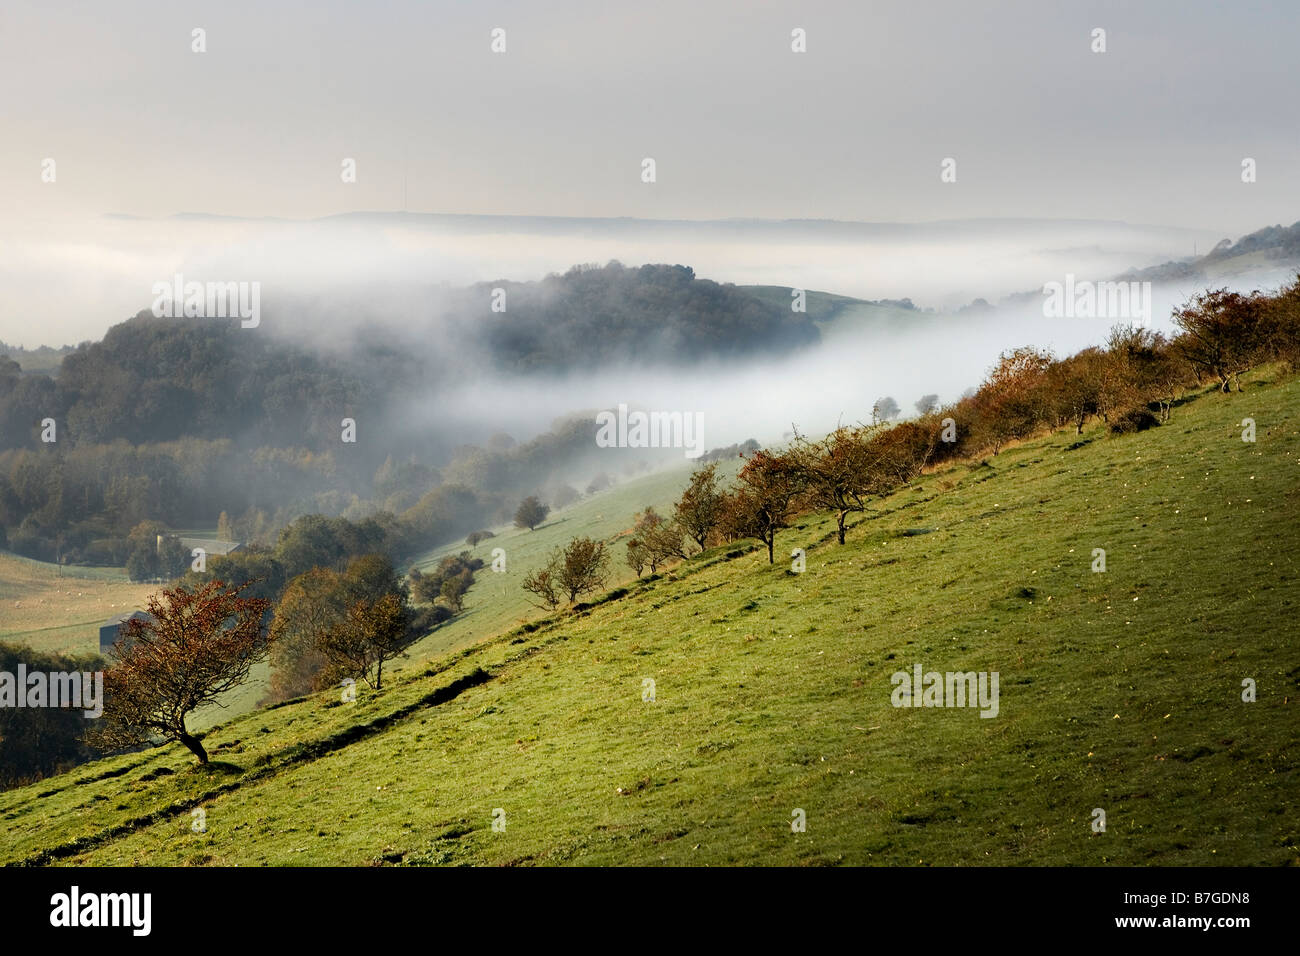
{"points": [[1121, 690], [1271, 246]]}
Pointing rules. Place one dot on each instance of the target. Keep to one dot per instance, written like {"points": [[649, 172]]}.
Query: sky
{"points": [[1152, 131]]}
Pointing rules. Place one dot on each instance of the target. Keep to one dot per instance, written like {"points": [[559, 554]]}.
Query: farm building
{"points": [[211, 546], [108, 631]]}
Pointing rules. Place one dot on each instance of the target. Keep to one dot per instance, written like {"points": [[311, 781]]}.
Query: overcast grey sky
{"points": [[1152, 131]]}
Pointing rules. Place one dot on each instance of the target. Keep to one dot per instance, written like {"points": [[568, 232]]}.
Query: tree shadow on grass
{"points": [[215, 768], [551, 523]]}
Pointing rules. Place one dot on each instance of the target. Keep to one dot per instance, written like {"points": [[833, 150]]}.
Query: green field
{"points": [[59, 609], [1119, 690]]}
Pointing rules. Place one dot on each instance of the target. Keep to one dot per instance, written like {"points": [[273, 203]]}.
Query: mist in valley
{"points": [[392, 281]]}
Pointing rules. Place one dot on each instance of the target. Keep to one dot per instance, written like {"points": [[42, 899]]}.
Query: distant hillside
{"points": [[1272, 245], [178, 419], [42, 359], [820, 307], [162, 379], [614, 314]]}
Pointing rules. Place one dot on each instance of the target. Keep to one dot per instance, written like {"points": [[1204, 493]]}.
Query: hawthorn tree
{"points": [[196, 646], [836, 472], [732, 522], [453, 591], [1077, 383], [885, 409], [530, 513], [1223, 334], [429, 587], [372, 631], [638, 556], [312, 605], [1143, 361], [583, 567], [543, 584], [1012, 403], [700, 507], [764, 501], [898, 455], [655, 540], [579, 567], [1283, 321], [327, 625]]}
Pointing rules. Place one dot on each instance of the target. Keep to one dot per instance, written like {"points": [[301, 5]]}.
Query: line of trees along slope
{"points": [[1131, 383]]}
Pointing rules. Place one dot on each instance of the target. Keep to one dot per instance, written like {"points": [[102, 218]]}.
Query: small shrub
{"points": [[1134, 420]]}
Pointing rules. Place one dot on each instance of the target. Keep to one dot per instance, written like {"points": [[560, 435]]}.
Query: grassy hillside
{"points": [[61, 610], [496, 602], [1119, 690]]}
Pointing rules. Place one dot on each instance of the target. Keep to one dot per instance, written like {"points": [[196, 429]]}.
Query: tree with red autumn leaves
{"points": [[837, 472], [1225, 334], [196, 646], [764, 501]]}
